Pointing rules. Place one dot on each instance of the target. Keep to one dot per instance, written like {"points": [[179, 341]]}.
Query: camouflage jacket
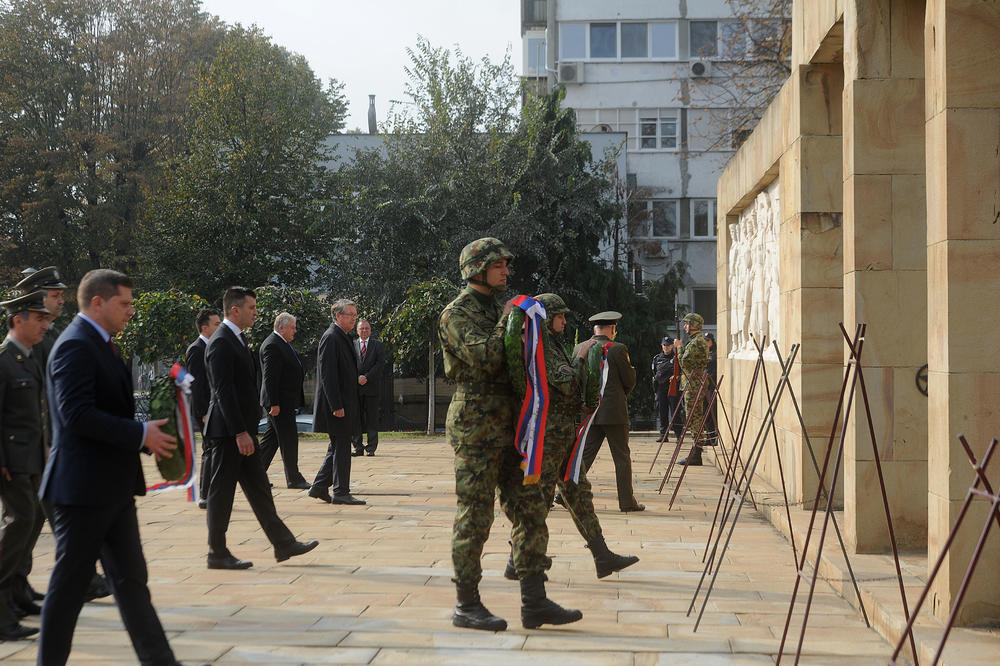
{"points": [[694, 358], [471, 332], [566, 378]]}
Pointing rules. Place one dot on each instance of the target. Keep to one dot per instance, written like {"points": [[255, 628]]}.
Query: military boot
{"points": [[694, 460], [607, 562], [537, 609], [510, 571], [472, 614]]}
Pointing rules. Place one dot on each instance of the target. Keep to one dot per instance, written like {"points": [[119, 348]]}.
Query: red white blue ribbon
{"points": [[576, 455], [182, 380], [534, 409]]}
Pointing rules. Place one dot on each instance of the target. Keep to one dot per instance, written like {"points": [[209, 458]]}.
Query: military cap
{"points": [[694, 319], [667, 340], [33, 302], [554, 304], [710, 336], [477, 256], [608, 318], [47, 278]]}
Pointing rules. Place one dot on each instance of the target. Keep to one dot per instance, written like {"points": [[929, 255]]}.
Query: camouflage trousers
{"points": [[695, 411], [578, 497], [487, 461]]}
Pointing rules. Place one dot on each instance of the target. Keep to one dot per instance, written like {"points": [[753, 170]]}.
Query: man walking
{"points": [[666, 386], [93, 473], [206, 323], [611, 421], [231, 437], [281, 395], [480, 429], [24, 434], [694, 359], [371, 356], [336, 411]]}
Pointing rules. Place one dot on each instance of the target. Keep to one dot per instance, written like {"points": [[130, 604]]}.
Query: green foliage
{"points": [[312, 317], [412, 327], [247, 203], [162, 327], [92, 93]]}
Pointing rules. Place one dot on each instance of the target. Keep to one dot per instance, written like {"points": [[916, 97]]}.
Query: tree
{"points": [[312, 317], [92, 93], [247, 204], [162, 327]]}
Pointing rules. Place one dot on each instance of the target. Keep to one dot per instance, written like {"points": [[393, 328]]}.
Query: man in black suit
{"points": [[24, 434], [231, 437], [280, 395], [336, 409], [371, 357], [93, 473], [206, 322]]}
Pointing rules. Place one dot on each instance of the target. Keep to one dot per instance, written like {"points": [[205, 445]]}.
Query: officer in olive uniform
{"points": [[480, 429], [694, 359], [611, 420], [24, 434], [49, 280], [566, 381]]}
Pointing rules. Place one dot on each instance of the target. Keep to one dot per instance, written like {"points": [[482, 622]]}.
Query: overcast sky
{"points": [[362, 43]]}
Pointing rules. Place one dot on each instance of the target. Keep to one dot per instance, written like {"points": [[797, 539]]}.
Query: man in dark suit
{"points": [[231, 437], [371, 357], [336, 409], [280, 396], [206, 322], [24, 434], [93, 473], [611, 420]]}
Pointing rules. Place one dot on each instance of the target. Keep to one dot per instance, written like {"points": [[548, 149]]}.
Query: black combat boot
{"points": [[607, 562], [472, 614], [694, 460], [537, 609]]}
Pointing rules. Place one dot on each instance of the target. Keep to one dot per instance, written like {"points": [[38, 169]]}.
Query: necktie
{"points": [[114, 348], [244, 339], [364, 348]]}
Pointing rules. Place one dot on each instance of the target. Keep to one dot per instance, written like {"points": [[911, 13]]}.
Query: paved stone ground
{"points": [[377, 590]]}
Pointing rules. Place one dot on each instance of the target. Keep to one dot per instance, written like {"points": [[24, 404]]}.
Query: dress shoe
{"points": [[319, 493], [293, 549], [370, 454], [15, 632], [300, 485], [28, 607], [636, 507], [228, 562], [347, 499], [202, 504], [98, 588], [356, 453]]}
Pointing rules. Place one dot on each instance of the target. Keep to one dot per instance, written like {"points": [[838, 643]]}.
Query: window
{"points": [[603, 40], [657, 129], [732, 40], [536, 57], [703, 218], [572, 41], [705, 304], [664, 38], [663, 221], [704, 37], [634, 43]]}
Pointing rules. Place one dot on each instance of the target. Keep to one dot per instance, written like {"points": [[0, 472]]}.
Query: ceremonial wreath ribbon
{"points": [[534, 409], [185, 428], [576, 455]]}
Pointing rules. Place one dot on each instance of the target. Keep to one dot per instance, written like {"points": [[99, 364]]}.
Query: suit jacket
{"points": [[95, 438], [194, 359], [370, 366], [613, 409], [337, 384], [232, 380], [24, 414], [282, 375]]}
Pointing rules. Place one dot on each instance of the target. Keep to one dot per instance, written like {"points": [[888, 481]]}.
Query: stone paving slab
{"points": [[377, 590]]}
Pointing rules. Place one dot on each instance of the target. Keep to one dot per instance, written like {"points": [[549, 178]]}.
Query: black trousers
{"points": [[336, 467], [206, 470], [22, 516], [281, 434], [230, 467], [617, 436], [369, 423], [111, 532]]}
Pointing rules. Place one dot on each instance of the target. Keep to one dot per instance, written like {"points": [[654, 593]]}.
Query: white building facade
{"points": [[652, 69]]}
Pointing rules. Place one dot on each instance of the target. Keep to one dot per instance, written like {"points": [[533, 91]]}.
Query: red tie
{"points": [[114, 348], [364, 348]]}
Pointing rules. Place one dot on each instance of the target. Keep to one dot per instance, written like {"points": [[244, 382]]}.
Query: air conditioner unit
{"points": [[700, 68], [571, 72]]}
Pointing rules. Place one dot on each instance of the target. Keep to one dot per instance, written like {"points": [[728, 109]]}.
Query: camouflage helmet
{"points": [[554, 304], [479, 254], [695, 320]]}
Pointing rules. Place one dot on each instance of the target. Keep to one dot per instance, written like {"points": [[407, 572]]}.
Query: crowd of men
{"points": [[71, 444]]}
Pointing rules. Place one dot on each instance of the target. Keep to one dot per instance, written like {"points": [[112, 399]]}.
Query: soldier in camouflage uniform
{"points": [[566, 381], [480, 429], [694, 360]]}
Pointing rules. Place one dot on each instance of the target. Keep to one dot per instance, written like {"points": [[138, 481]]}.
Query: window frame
{"points": [[712, 219], [662, 114], [648, 222], [618, 57]]}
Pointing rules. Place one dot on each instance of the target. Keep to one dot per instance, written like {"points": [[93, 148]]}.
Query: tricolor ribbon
{"points": [[534, 409], [576, 456], [182, 381]]}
